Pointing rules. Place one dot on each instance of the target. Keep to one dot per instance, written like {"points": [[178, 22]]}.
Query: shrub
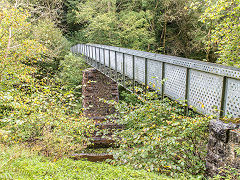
{"points": [[34, 110], [158, 138], [71, 71]]}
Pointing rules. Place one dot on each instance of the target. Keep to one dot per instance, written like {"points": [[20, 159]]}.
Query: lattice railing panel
{"points": [[140, 69], [97, 55], [106, 57], [112, 57], [129, 65], [154, 75], [205, 91], [101, 56], [233, 97], [175, 81], [120, 62]]}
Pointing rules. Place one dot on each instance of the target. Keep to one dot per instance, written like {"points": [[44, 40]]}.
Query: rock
{"points": [[224, 140]]}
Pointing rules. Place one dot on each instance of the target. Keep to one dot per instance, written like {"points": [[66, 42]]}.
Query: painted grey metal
{"points": [[124, 75], [232, 105], [133, 71], [209, 88], [146, 74], [187, 91], [163, 79]]}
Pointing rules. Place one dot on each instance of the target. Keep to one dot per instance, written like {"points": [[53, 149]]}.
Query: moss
{"points": [[231, 120]]}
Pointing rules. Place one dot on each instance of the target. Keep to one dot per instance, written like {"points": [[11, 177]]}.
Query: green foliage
{"points": [[71, 71], [16, 163], [103, 29], [43, 120], [136, 30], [204, 30], [158, 138], [167, 26], [127, 97], [222, 19], [34, 107], [103, 25], [46, 32], [227, 173], [70, 77]]}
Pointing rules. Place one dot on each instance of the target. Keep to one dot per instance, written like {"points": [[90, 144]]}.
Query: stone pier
{"points": [[223, 148], [98, 88]]}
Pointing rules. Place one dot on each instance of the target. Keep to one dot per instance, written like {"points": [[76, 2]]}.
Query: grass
{"points": [[19, 163]]}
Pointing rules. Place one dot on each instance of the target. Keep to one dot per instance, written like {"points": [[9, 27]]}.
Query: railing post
{"points": [[133, 74], [95, 57], [104, 63], [146, 74], [92, 56], [116, 66], [163, 79], [99, 62], [186, 112], [223, 98], [124, 77], [88, 54], [85, 53], [109, 63], [83, 50]]}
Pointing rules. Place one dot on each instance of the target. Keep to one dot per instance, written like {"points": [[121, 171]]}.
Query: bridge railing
{"points": [[208, 87]]}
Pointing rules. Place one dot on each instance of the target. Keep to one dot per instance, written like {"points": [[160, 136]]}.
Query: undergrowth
{"points": [[159, 138], [16, 163]]}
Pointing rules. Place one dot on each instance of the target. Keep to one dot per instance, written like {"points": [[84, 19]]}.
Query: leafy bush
{"points": [[71, 68], [227, 173], [158, 138], [36, 110], [46, 32], [70, 76], [221, 20], [43, 119], [127, 97]]}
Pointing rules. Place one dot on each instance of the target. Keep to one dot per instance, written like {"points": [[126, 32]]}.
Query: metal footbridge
{"points": [[209, 88]]}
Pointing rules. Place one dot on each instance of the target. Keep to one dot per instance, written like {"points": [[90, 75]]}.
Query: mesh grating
{"points": [[154, 74], [129, 66], [94, 53], [119, 62], [140, 69], [112, 61], [97, 54], [205, 91], [175, 85], [233, 98], [101, 56], [107, 57]]}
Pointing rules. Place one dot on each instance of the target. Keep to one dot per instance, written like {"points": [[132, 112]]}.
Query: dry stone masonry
{"points": [[223, 147], [96, 89]]}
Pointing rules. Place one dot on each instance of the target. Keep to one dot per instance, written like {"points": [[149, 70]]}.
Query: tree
{"points": [[222, 20]]}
